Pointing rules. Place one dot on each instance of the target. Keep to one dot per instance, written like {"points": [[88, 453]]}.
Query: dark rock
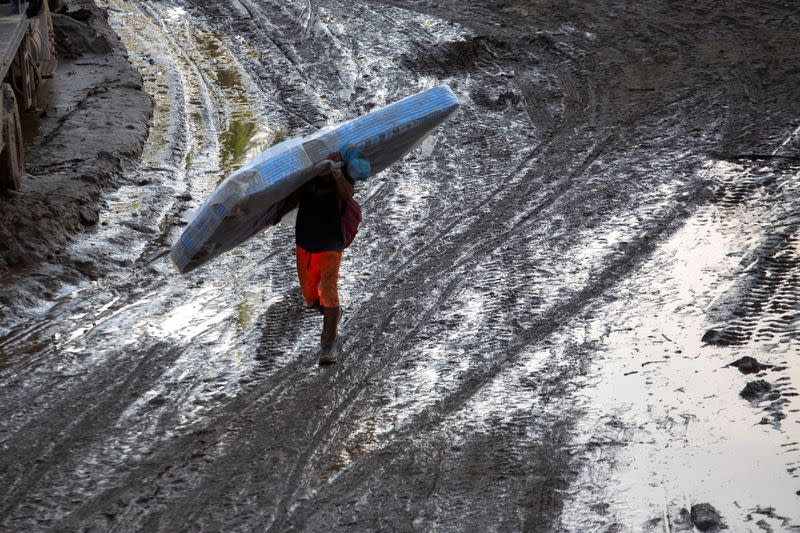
{"points": [[755, 389], [705, 517], [749, 365], [88, 216]]}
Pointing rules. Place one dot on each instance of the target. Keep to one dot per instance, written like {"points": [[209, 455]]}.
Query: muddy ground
{"points": [[538, 317]]}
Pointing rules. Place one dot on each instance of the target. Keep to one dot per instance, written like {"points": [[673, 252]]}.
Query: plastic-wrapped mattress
{"points": [[247, 201]]}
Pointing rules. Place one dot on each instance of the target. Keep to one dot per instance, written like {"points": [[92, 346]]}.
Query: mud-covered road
{"points": [[537, 315]]}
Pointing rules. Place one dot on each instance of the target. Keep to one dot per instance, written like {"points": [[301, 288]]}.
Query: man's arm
{"points": [[343, 187], [290, 203]]}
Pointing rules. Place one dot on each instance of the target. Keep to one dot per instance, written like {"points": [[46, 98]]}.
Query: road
{"points": [[537, 315]]}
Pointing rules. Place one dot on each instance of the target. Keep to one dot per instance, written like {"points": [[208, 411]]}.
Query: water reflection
{"points": [[245, 138]]}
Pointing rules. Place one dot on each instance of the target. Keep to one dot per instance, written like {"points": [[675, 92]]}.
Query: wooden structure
{"points": [[26, 56]]}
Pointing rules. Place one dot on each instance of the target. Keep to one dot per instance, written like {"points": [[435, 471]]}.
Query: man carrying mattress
{"points": [[321, 239]]}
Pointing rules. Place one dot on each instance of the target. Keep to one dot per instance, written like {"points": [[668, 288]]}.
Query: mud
{"points": [[526, 309], [91, 123]]}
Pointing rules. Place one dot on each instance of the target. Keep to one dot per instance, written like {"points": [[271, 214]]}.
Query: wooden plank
{"points": [[12, 31]]}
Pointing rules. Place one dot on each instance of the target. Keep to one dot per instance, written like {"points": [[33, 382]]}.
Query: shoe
{"points": [[328, 354], [330, 321]]}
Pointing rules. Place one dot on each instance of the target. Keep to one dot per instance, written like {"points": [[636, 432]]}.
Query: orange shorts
{"points": [[319, 277]]}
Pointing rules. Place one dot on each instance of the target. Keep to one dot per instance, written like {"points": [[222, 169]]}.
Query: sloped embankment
{"points": [[94, 119]]}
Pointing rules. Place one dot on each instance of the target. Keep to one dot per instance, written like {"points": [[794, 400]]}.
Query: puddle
{"points": [[244, 138], [216, 58], [666, 427], [244, 313]]}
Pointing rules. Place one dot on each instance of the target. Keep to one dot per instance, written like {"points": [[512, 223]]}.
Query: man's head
{"points": [[356, 163]]}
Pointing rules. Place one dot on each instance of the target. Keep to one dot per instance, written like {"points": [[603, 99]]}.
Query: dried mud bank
{"points": [[93, 121]]}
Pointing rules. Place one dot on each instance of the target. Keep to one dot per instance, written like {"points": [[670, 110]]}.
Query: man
{"points": [[320, 240]]}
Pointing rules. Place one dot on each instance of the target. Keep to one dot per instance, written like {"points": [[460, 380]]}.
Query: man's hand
{"points": [[326, 166], [290, 203]]}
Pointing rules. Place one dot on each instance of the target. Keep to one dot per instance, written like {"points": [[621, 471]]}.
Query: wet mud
{"points": [[540, 315]]}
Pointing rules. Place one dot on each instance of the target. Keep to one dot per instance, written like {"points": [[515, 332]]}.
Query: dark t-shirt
{"points": [[319, 217]]}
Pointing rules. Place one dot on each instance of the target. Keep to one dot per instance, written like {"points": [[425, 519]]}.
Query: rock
{"points": [[755, 389], [705, 517], [88, 216], [749, 365]]}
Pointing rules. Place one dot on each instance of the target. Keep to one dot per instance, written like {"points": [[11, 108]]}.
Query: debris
{"points": [[749, 365], [705, 517], [755, 389]]}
